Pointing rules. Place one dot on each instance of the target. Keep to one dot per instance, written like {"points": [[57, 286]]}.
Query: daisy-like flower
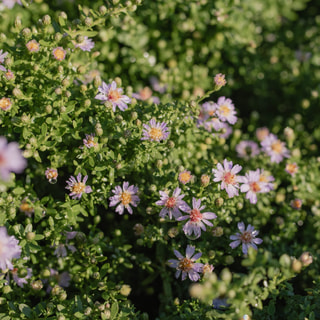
{"points": [[51, 174], [11, 159], [78, 187], [247, 149], [2, 56], [226, 111], [23, 280], [59, 53], [220, 80], [292, 168], [185, 176], [10, 3], [9, 75], [9, 249], [227, 174], [33, 46], [266, 179], [207, 268], [145, 94], [275, 148], [172, 205], [5, 104], [125, 196], [246, 236], [89, 141], [197, 219], [262, 133], [209, 118], [296, 204], [26, 207], [187, 265], [86, 45], [155, 131], [110, 92]]}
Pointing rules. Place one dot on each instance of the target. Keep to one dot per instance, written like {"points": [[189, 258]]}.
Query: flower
{"points": [[51, 174], [274, 148], [26, 207], [291, 168], [23, 280], [172, 205], [33, 46], [187, 265], [126, 196], [296, 204], [110, 92], [59, 53], [9, 75], [86, 45], [5, 104], [208, 117], [2, 56], [9, 249], [205, 180], [227, 174], [145, 94], [89, 141], [10, 3], [266, 179], [262, 133], [226, 111], [197, 219], [247, 149], [207, 268], [78, 187], [11, 159], [220, 80], [246, 237], [185, 176], [155, 131]]}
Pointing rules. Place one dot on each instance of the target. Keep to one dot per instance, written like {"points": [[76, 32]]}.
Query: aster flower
{"points": [[275, 148], [225, 110], [227, 174], [59, 53], [187, 265], [266, 179], [10, 3], [51, 174], [207, 268], [26, 207], [9, 249], [262, 133], [291, 168], [78, 187], [157, 86], [208, 117], [11, 159], [89, 141], [2, 56], [246, 236], [23, 280], [296, 204], [33, 46], [86, 45], [5, 104], [9, 75], [247, 149], [145, 94], [197, 219], [110, 92], [185, 176], [220, 80], [155, 131], [126, 196], [172, 205]]}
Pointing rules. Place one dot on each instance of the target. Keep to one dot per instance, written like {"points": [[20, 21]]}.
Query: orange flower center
{"points": [[195, 215], [246, 237], [125, 198], [25, 207], [33, 46], [171, 202], [78, 187], [5, 103], [229, 178], [224, 110], [292, 168], [184, 177], [255, 187], [114, 95], [155, 133], [185, 264], [277, 146], [59, 54], [297, 204]]}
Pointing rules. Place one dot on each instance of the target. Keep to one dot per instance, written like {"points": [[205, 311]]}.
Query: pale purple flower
{"points": [[9, 249], [2, 56], [247, 149], [156, 86], [208, 117], [262, 133], [61, 249], [275, 148], [187, 265], [11, 159], [220, 80], [246, 236], [86, 45], [89, 141], [63, 279], [51, 174], [21, 281], [266, 179], [125, 196], [155, 131], [197, 219], [225, 110], [227, 130], [172, 205], [291, 168], [110, 92], [227, 174], [10, 3], [78, 187], [146, 94]]}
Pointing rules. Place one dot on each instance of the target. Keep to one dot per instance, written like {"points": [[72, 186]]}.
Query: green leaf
{"points": [[26, 310], [114, 310]]}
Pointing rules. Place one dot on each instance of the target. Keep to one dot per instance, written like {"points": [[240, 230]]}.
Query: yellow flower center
{"points": [[25, 207], [78, 187], [125, 198], [185, 265], [52, 174], [155, 133], [263, 178], [59, 54], [255, 187], [277, 146], [114, 95], [195, 215], [184, 177], [246, 237], [224, 110], [33, 46], [229, 178], [171, 202], [5, 103]]}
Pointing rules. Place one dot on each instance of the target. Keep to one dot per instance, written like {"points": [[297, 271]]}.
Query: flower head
{"points": [[197, 219], [226, 111], [51, 174], [145, 94], [23, 280], [10, 3], [2, 56], [227, 174], [185, 176], [275, 148], [291, 168], [262, 133], [266, 179], [296, 204], [59, 53], [220, 80], [247, 149], [246, 236], [11, 159], [155, 131], [89, 141], [9, 249], [86, 45], [26, 207], [110, 92], [9, 75], [187, 265], [5, 104], [78, 187], [207, 268], [172, 205], [125, 196], [33, 46]]}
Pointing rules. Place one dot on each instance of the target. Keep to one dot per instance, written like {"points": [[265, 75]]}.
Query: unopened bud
{"points": [[296, 265], [17, 93], [306, 259], [173, 232], [217, 231], [60, 69], [205, 180], [88, 21], [82, 70], [37, 285], [17, 23], [67, 94], [159, 164], [63, 15], [171, 144], [48, 109], [46, 20], [138, 229], [30, 236], [102, 10], [125, 290], [65, 82], [58, 91], [219, 202], [26, 32]]}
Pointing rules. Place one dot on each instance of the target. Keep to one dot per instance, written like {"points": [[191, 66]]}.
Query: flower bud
{"points": [[217, 231], [103, 10], [63, 15], [159, 164], [88, 21], [95, 54], [60, 69], [87, 103], [26, 32], [125, 290], [171, 144], [173, 232], [118, 81], [46, 20], [82, 70], [17, 22], [48, 109], [17, 93], [67, 94], [80, 39], [65, 82], [219, 202], [7, 289], [3, 37], [58, 91], [296, 265], [138, 229], [306, 259], [37, 285], [205, 180], [239, 205], [30, 236]]}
